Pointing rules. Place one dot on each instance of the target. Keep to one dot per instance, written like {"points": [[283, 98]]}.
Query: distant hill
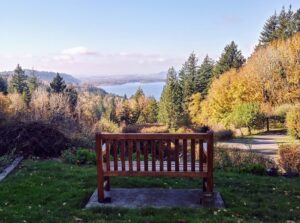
{"points": [[46, 76], [124, 78]]}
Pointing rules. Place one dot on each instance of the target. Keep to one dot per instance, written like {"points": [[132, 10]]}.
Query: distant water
{"points": [[150, 89]]}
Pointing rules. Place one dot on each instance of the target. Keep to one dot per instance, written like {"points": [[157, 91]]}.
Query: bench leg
{"points": [[107, 183], [101, 189], [204, 188], [207, 185]]}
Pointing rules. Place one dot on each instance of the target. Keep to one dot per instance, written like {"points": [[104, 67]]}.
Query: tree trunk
{"points": [[249, 130], [268, 124]]}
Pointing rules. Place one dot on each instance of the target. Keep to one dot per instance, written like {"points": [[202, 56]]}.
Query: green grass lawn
{"points": [[50, 191]]}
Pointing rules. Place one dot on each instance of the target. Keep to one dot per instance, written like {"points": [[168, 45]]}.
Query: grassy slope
{"points": [[49, 191]]}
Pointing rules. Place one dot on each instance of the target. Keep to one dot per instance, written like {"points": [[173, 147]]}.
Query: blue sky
{"points": [[88, 38]]}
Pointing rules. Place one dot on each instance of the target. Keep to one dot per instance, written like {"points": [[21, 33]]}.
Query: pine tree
{"points": [[152, 110], [204, 75], [32, 82], [296, 21], [139, 93], [3, 85], [170, 107], [58, 85], [72, 97], [285, 24], [269, 30], [26, 95], [230, 58], [18, 81], [188, 75]]}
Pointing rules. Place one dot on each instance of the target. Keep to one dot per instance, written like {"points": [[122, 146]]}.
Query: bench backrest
{"points": [[160, 152]]}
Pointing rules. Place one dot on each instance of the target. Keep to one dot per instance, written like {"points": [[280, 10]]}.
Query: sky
{"points": [[94, 37]]}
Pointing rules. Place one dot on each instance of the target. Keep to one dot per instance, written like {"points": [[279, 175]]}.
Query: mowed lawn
{"points": [[51, 191]]}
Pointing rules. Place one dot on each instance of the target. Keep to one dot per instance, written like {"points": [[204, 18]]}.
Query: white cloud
{"points": [[79, 50]]}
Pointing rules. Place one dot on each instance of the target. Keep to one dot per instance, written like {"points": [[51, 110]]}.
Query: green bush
{"points": [[81, 156], [85, 156], [255, 168], [289, 157], [293, 121], [69, 156]]}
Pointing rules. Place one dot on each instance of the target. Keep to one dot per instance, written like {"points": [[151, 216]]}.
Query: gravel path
{"points": [[264, 144]]}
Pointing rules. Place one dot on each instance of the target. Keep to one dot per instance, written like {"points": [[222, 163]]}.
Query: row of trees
{"points": [[280, 26], [266, 86], [26, 99], [193, 81]]}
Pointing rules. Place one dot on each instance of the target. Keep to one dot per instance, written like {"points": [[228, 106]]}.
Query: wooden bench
{"points": [[163, 154]]}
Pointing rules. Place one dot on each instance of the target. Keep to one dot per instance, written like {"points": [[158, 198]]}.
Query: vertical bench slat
{"points": [[153, 152], [176, 155], [123, 154], [169, 155], [210, 147], [107, 154], [130, 154], [185, 155], [193, 154], [100, 177], [145, 155], [138, 154], [201, 160], [161, 156], [115, 149]]}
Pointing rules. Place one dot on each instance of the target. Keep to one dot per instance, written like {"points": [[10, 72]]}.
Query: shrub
{"points": [[81, 156], [32, 139], [242, 160], [255, 168], [69, 156], [293, 121], [223, 135], [289, 157], [86, 156], [105, 125]]}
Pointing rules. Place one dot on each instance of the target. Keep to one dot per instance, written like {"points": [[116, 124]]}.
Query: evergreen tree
{"points": [[3, 85], [230, 58], [285, 24], [58, 85], [296, 21], [187, 77], [170, 107], [152, 111], [110, 111], [124, 115], [18, 81], [32, 82], [204, 75], [72, 97], [139, 93], [269, 30], [26, 95]]}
